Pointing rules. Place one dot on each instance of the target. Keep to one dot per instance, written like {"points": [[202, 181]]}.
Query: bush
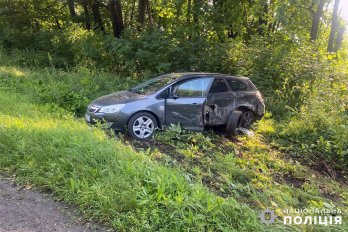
{"points": [[319, 129], [72, 91]]}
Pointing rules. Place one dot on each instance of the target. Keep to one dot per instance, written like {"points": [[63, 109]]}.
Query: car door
{"points": [[240, 95], [219, 102], [186, 102]]}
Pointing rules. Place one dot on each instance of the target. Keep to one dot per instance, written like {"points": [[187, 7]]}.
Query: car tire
{"points": [[233, 122], [142, 126], [246, 119]]}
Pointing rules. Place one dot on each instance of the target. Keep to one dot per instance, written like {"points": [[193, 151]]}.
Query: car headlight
{"points": [[111, 109]]}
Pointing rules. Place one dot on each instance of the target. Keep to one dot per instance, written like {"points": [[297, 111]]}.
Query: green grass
{"points": [[72, 90], [253, 171]]}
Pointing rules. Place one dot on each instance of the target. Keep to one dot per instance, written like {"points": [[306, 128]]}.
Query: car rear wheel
{"points": [[246, 119], [142, 126], [232, 123]]}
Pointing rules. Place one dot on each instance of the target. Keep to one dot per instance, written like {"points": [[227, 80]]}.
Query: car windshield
{"points": [[151, 86]]}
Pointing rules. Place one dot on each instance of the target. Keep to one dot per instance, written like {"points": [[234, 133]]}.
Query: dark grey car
{"points": [[195, 100]]}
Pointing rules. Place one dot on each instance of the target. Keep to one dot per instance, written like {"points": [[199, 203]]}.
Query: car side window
{"points": [[236, 85], [193, 88], [219, 86]]}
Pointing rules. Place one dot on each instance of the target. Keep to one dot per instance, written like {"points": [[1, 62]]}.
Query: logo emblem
{"points": [[267, 216]]}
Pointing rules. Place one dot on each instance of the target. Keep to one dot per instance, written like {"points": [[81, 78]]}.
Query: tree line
{"points": [[226, 19]]}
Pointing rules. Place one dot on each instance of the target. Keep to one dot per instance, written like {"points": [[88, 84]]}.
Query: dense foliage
{"points": [[161, 36]]}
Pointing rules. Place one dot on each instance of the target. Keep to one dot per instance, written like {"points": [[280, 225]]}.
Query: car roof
{"points": [[182, 75]]}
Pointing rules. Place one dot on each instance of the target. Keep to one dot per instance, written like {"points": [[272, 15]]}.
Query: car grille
{"points": [[93, 108]]}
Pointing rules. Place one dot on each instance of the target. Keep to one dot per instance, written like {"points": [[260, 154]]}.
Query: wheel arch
{"points": [[146, 111], [245, 108], [239, 108]]}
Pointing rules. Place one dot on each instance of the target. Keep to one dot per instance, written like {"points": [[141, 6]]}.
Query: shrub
{"points": [[320, 127], [72, 91]]}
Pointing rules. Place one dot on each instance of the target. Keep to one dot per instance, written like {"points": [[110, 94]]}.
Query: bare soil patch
{"points": [[22, 209]]}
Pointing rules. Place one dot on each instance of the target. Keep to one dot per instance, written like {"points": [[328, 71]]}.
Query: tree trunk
{"points": [[115, 8], [272, 27], [149, 14], [119, 16], [98, 23], [196, 11], [58, 24], [334, 25], [71, 5], [339, 38], [86, 13], [141, 12], [316, 20], [263, 19]]}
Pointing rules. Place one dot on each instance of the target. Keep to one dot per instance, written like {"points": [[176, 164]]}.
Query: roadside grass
{"points": [[71, 90], [252, 171], [109, 181]]}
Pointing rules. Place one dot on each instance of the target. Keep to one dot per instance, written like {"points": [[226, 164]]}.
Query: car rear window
{"points": [[237, 85], [250, 85]]}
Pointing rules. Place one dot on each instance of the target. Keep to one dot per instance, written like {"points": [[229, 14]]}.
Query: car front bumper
{"points": [[116, 122]]}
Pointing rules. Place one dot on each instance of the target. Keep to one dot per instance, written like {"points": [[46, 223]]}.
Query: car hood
{"points": [[118, 98]]}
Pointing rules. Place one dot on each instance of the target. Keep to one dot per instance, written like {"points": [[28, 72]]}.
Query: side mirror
{"points": [[172, 92]]}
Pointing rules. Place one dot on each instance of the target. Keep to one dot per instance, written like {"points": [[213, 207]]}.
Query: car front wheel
{"points": [[142, 126]]}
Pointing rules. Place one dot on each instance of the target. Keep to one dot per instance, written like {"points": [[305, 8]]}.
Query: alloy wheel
{"points": [[143, 127], [247, 119]]}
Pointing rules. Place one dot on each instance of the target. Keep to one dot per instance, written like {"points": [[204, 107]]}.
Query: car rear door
{"points": [[240, 93], [219, 102], [186, 102]]}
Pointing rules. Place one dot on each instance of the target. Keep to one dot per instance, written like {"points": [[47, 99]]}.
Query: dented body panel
{"points": [[192, 99]]}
